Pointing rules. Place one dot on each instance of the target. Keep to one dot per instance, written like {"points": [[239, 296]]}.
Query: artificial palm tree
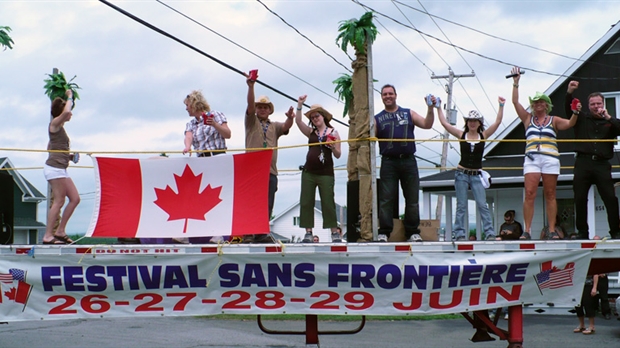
{"points": [[56, 86], [359, 34], [344, 88], [5, 39]]}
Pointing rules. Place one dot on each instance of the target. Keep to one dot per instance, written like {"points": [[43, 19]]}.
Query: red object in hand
{"points": [[253, 74], [331, 137], [206, 116], [573, 104]]}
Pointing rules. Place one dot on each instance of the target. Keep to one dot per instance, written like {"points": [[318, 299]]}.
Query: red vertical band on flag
{"points": [[23, 292], [120, 187], [250, 201]]}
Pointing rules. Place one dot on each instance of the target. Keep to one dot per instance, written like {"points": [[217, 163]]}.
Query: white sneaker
{"points": [[414, 238], [382, 238], [308, 238], [336, 238], [217, 240]]}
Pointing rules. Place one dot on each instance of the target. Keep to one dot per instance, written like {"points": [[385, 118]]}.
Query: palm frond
{"points": [[56, 86], [356, 33], [5, 39], [344, 88]]}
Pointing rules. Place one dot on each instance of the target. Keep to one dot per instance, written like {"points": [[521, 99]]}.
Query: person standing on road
{"points": [[587, 305], [467, 174], [592, 165], [398, 163]]}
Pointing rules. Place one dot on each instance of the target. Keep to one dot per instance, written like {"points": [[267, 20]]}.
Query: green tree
{"points": [[5, 39], [357, 33]]}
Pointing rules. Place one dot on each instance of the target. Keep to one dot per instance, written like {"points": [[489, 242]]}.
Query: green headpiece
{"points": [[542, 96]]}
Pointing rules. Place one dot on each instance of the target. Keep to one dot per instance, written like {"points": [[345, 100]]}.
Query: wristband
{"points": [[299, 109], [515, 85], [501, 104]]}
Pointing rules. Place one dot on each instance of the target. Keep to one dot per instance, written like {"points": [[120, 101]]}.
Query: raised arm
{"points": [[290, 116], [521, 112], [250, 111], [303, 127], [425, 122], [568, 99], [498, 120], [65, 115], [457, 133]]}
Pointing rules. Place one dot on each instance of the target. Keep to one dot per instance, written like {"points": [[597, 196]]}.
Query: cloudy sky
{"points": [[134, 79]]}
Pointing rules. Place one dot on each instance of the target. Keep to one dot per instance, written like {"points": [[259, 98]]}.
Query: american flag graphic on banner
{"points": [[555, 278], [14, 274]]}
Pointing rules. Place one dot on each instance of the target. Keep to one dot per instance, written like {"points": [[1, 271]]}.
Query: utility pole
{"points": [[451, 116]]}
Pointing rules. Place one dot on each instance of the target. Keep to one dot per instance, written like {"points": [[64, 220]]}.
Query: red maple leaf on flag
{"points": [[188, 203], [11, 294]]}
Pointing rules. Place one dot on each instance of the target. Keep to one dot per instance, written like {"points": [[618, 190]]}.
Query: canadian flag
{"points": [[225, 195]]}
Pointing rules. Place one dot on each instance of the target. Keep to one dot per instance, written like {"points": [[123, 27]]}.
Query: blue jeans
{"points": [[463, 182], [393, 171]]}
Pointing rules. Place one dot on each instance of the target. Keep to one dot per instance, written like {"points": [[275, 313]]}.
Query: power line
{"points": [[476, 53], [247, 50], [305, 37], [499, 38], [156, 29], [428, 43], [465, 60]]}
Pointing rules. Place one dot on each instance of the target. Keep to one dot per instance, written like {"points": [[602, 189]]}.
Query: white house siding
{"points": [[283, 225]]}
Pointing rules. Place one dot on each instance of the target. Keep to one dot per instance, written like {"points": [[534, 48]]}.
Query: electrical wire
{"points": [[247, 50], [305, 37], [504, 39], [479, 54], [230, 67]]}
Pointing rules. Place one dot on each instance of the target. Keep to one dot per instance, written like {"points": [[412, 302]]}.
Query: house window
{"points": [[612, 104], [614, 48], [295, 220]]}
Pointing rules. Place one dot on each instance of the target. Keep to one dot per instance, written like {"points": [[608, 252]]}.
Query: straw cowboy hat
{"points": [[265, 101], [474, 115], [318, 108]]}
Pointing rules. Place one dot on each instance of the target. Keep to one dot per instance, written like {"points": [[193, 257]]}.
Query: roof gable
{"points": [[594, 63], [29, 192]]}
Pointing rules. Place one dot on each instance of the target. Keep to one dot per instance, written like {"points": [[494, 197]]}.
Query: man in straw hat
{"points": [[261, 132], [592, 163], [398, 163]]}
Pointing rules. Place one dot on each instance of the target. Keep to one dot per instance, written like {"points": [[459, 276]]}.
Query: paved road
{"points": [[187, 332]]}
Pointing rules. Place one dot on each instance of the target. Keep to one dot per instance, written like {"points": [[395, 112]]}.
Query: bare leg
{"points": [[531, 187], [74, 199], [549, 185], [58, 200]]}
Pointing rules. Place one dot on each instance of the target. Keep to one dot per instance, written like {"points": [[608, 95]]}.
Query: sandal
{"points": [[579, 329], [588, 331], [55, 241], [64, 238]]}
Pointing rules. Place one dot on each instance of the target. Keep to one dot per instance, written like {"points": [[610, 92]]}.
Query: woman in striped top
{"points": [[542, 159]]}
